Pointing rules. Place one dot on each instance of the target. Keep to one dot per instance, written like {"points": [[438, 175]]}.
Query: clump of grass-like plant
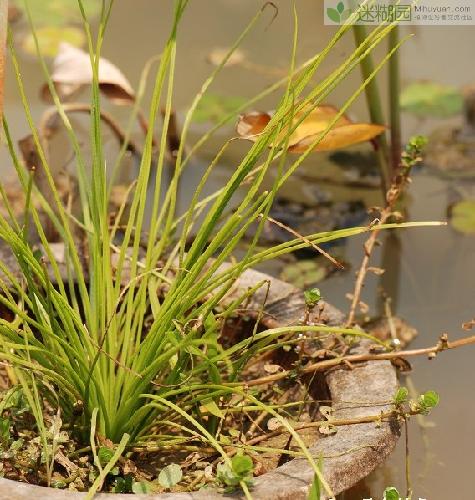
{"points": [[123, 339]]}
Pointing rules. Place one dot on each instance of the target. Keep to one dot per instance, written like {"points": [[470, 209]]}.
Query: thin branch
{"points": [[410, 157], [319, 366], [307, 241]]}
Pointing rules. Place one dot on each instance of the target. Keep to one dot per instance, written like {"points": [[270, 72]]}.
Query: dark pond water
{"points": [[431, 273]]}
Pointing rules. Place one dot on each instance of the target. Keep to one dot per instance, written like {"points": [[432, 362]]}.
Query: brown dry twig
{"points": [[409, 158], [307, 241], [442, 345]]}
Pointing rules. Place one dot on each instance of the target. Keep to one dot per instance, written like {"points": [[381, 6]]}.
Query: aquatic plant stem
{"points": [[375, 107], [394, 105]]}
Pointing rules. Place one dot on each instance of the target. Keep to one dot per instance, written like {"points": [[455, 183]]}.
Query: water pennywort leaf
{"points": [[170, 475]]}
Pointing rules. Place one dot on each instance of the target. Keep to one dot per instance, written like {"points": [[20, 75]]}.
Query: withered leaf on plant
{"points": [[310, 126]]}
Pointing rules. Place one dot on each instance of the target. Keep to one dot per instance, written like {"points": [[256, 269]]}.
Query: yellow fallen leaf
{"points": [[344, 132], [340, 137]]}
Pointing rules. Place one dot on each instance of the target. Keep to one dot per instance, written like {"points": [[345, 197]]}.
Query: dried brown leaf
{"points": [[344, 133], [72, 71]]}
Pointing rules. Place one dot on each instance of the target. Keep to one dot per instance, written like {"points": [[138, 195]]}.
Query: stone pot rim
{"points": [[348, 456]]}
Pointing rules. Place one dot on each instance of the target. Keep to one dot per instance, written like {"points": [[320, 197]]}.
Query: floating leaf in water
{"points": [[303, 273], [72, 71], [58, 12], [50, 39], [344, 132], [214, 107], [463, 216], [170, 476], [431, 99]]}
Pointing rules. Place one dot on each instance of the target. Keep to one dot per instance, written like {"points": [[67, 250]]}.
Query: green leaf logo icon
{"points": [[333, 14], [339, 14]]}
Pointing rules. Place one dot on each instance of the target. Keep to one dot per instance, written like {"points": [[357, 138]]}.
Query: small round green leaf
{"points": [[141, 487], [170, 475], [242, 465], [401, 395], [105, 455], [312, 297], [391, 493], [431, 399]]}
